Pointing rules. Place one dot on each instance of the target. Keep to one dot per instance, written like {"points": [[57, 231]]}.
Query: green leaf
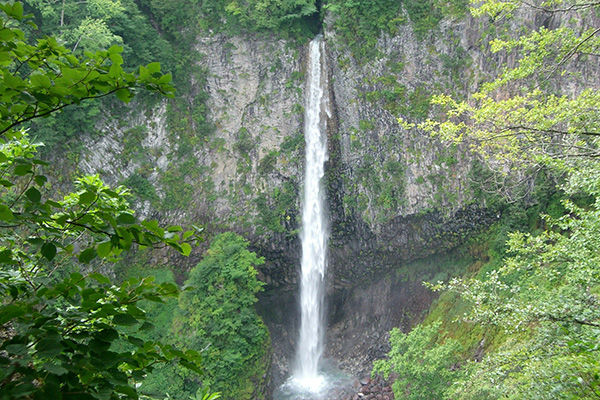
{"points": [[153, 297], [128, 391], [104, 249], [99, 346], [48, 250], [6, 34], [124, 95], [49, 347], [115, 49], [34, 195], [36, 161], [87, 197], [75, 276], [116, 58], [5, 213], [154, 67], [53, 204], [124, 319], [16, 11], [190, 366], [99, 278], [186, 249], [125, 219], [10, 312], [55, 369], [114, 72], [40, 180], [22, 169], [87, 255], [41, 80], [165, 79], [135, 341], [18, 349], [108, 335], [6, 256], [146, 327]]}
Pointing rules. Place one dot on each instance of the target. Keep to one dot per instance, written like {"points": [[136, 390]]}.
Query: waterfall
{"points": [[313, 378], [314, 234]]}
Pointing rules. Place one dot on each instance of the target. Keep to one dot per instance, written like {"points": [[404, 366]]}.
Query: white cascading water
{"points": [[314, 234]]}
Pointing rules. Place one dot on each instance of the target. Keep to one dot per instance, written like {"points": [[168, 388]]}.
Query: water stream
{"points": [[309, 376], [314, 229]]}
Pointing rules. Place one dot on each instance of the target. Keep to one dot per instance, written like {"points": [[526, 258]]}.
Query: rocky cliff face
{"points": [[394, 194]]}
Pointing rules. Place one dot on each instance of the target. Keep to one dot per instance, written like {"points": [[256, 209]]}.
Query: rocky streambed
{"points": [[370, 389]]}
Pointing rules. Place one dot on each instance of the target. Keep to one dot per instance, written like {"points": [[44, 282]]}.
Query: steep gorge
{"points": [[395, 195]]}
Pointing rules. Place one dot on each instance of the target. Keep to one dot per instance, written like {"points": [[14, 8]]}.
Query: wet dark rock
{"points": [[375, 388]]}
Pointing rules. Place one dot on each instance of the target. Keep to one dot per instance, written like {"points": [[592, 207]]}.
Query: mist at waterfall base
{"points": [[331, 383], [313, 378]]}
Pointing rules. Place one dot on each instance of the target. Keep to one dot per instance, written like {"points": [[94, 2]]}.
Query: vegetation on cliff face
{"points": [[286, 18], [361, 23], [536, 307]]}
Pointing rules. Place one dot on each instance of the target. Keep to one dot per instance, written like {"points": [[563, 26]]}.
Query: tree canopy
{"points": [[218, 315], [60, 317], [543, 296], [545, 107]]}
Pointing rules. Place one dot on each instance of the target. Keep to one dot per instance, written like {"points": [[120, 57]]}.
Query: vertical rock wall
{"points": [[395, 194]]}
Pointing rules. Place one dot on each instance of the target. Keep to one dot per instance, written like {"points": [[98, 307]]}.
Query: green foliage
{"points": [[294, 18], [542, 289], [60, 331], [424, 369], [360, 23], [83, 25], [63, 327], [77, 24], [218, 316], [64, 332], [535, 123], [141, 188], [97, 25], [62, 128], [376, 195], [168, 378], [275, 209], [132, 140], [178, 193], [547, 290], [245, 143], [456, 62], [398, 99], [292, 143], [42, 79], [268, 162], [187, 117]]}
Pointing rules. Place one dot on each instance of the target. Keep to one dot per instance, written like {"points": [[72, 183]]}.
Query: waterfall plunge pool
{"points": [[330, 383]]}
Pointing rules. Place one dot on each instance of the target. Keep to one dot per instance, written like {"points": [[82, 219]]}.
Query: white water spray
{"points": [[314, 235]]}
